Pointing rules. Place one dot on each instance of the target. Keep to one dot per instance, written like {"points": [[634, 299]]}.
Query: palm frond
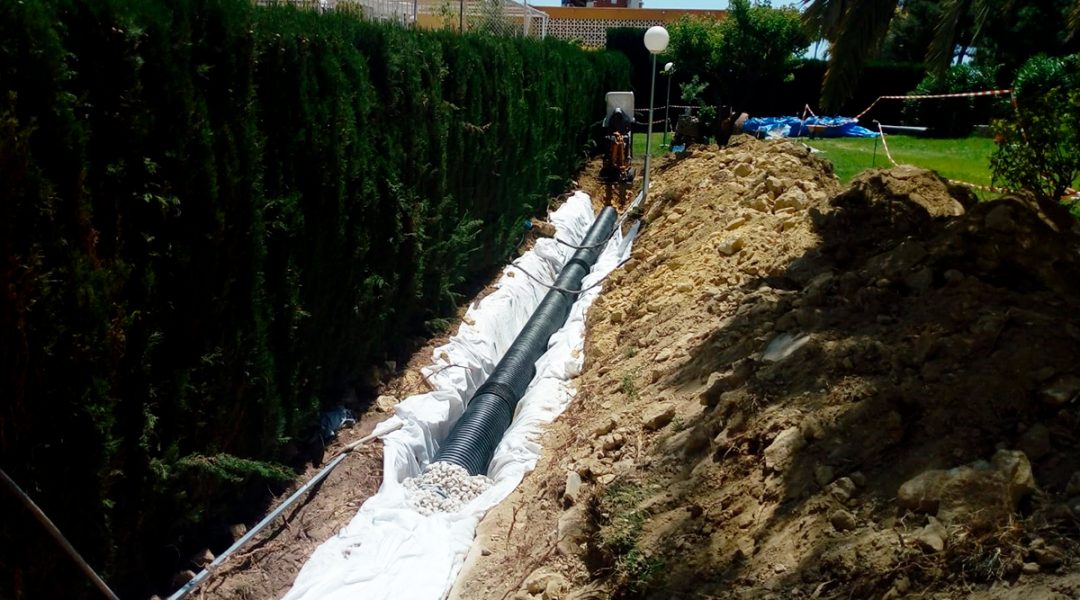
{"points": [[940, 53], [1074, 20], [826, 17], [859, 35]]}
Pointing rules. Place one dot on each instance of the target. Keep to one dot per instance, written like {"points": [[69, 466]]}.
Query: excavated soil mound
{"points": [[793, 391]]}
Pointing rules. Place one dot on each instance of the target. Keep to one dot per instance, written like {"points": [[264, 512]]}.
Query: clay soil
{"points": [[795, 390]]}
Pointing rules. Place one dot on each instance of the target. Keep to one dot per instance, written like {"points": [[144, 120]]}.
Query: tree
{"points": [[1024, 30], [912, 31], [856, 30], [1040, 149], [755, 44]]}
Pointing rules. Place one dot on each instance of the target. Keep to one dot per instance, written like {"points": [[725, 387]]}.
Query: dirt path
{"points": [[793, 392]]}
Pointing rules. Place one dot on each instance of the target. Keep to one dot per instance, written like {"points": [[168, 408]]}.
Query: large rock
{"points": [[572, 489], [792, 198], [730, 245], [842, 520], [658, 416], [572, 531], [1019, 480], [774, 185], [977, 494], [781, 452]]}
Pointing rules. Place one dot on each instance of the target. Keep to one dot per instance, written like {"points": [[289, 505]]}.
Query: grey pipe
{"points": [[205, 574]]}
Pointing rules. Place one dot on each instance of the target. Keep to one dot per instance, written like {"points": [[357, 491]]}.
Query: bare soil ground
{"points": [[798, 391]]}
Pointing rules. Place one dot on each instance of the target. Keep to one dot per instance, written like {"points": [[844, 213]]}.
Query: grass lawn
{"points": [[965, 159], [655, 149]]}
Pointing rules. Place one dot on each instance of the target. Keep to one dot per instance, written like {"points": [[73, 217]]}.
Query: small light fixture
{"points": [[656, 41]]}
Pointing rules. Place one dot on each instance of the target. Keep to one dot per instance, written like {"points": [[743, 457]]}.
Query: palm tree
{"points": [[855, 30]]}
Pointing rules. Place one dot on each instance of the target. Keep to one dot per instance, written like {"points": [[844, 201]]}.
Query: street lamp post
{"points": [[656, 41], [667, 104]]}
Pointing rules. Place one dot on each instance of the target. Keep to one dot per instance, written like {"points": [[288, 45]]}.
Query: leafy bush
{"points": [[953, 117], [750, 49], [214, 217], [1039, 149]]}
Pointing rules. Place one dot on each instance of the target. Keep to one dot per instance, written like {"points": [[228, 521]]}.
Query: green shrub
{"points": [[214, 217], [1039, 148], [953, 117]]}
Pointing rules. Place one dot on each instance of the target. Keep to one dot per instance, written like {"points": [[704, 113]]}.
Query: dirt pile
{"points": [[797, 391]]}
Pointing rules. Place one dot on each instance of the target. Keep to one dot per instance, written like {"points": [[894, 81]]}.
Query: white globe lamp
{"points": [[656, 39]]}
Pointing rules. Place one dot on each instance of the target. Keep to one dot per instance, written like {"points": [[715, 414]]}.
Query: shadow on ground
{"points": [[902, 342]]}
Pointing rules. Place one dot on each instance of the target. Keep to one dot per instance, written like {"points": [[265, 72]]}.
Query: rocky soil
{"points": [[794, 390]]}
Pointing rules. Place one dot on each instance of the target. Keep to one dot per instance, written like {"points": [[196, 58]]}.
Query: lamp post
{"points": [[667, 103], [656, 41]]}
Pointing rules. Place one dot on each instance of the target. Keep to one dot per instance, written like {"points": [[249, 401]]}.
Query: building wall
{"points": [[589, 25], [585, 25]]}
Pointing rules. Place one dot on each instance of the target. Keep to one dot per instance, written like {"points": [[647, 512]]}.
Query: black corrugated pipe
{"points": [[473, 439]]}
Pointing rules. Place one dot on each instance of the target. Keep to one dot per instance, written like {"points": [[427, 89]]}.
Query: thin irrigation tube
{"points": [[549, 286], [618, 225], [57, 535], [205, 574]]}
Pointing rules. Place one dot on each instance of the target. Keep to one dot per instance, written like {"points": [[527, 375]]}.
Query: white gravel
{"points": [[444, 487]]}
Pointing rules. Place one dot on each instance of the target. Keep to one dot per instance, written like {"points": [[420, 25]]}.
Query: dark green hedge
{"points": [[877, 79], [214, 218]]}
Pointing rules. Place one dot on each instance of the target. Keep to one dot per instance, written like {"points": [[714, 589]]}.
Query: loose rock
{"points": [[572, 488], [932, 537], [842, 520], [658, 417], [444, 487], [385, 403], [981, 492], [780, 453]]}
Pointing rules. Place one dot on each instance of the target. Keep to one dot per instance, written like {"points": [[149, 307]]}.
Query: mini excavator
{"points": [[619, 138]]}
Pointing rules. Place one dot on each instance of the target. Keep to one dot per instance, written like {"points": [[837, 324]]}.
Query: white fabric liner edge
{"points": [[389, 550]]}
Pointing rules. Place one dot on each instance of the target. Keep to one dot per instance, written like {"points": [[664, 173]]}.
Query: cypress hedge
{"points": [[215, 217]]}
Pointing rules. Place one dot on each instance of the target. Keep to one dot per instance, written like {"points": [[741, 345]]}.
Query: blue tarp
{"points": [[796, 127]]}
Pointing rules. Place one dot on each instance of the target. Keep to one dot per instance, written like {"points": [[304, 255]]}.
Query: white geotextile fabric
{"points": [[391, 552]]}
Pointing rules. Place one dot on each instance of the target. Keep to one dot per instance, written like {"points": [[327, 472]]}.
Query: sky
{"points": [[697, 4]]}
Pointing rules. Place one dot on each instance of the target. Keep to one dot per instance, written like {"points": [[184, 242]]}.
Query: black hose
{"points": [[473, 439]]}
